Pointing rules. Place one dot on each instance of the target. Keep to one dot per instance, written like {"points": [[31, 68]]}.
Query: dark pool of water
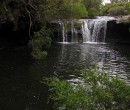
{"points": [[20, 75]]}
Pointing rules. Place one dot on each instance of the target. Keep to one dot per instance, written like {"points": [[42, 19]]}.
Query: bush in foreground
{"points": [[96, 90]]}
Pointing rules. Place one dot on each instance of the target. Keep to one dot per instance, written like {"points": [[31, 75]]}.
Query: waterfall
{"points": [[72, 31], [94, 30], [105, 32], [67, 28], [86, 31], [64, 31]]}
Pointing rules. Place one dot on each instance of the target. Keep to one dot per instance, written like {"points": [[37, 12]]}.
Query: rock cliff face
{"points": [[118, 31]]}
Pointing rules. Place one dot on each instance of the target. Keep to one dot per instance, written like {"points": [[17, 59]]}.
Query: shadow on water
{"points": [[20, 75], [20, 87]]}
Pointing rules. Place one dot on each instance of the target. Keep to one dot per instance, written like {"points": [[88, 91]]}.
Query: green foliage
{"points": [[96, 91], [120, 8], [79, 10], [61, 9], [40, 42], [93, 7], [44, 10]]}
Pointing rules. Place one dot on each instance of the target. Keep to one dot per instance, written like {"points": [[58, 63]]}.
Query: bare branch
{"points": [[30, 25]]}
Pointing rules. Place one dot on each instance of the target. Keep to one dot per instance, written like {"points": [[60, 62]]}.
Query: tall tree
{"points": [[93, 7]]}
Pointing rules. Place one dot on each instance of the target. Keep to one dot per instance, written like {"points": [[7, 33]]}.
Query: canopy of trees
{"points": [[29, 16], [48, 9], [42, 9], [93, 7], [112, 1], [115, 9]]}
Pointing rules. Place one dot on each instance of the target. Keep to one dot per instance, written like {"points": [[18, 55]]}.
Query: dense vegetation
{"points": [[31, 15], [39, 12], [93, 7], [115, 9], [96, 90]]}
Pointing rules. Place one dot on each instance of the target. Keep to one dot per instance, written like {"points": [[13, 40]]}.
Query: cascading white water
{"points": [[72, 31], [94, 30], [85, 31], [64, 31]]}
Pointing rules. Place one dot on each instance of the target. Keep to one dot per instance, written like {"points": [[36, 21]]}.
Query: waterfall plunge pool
{"points": [[73, 57], [20, 75]]}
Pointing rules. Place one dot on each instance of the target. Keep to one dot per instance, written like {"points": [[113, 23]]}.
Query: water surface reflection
{"points": [[72, 58], [20, 75]]}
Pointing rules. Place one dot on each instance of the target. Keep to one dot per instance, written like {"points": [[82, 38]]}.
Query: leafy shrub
{"points": [[40, 42], [96, 91]]}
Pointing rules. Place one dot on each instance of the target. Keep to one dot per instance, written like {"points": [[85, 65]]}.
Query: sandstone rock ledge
{"points": [[123, 19]]}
